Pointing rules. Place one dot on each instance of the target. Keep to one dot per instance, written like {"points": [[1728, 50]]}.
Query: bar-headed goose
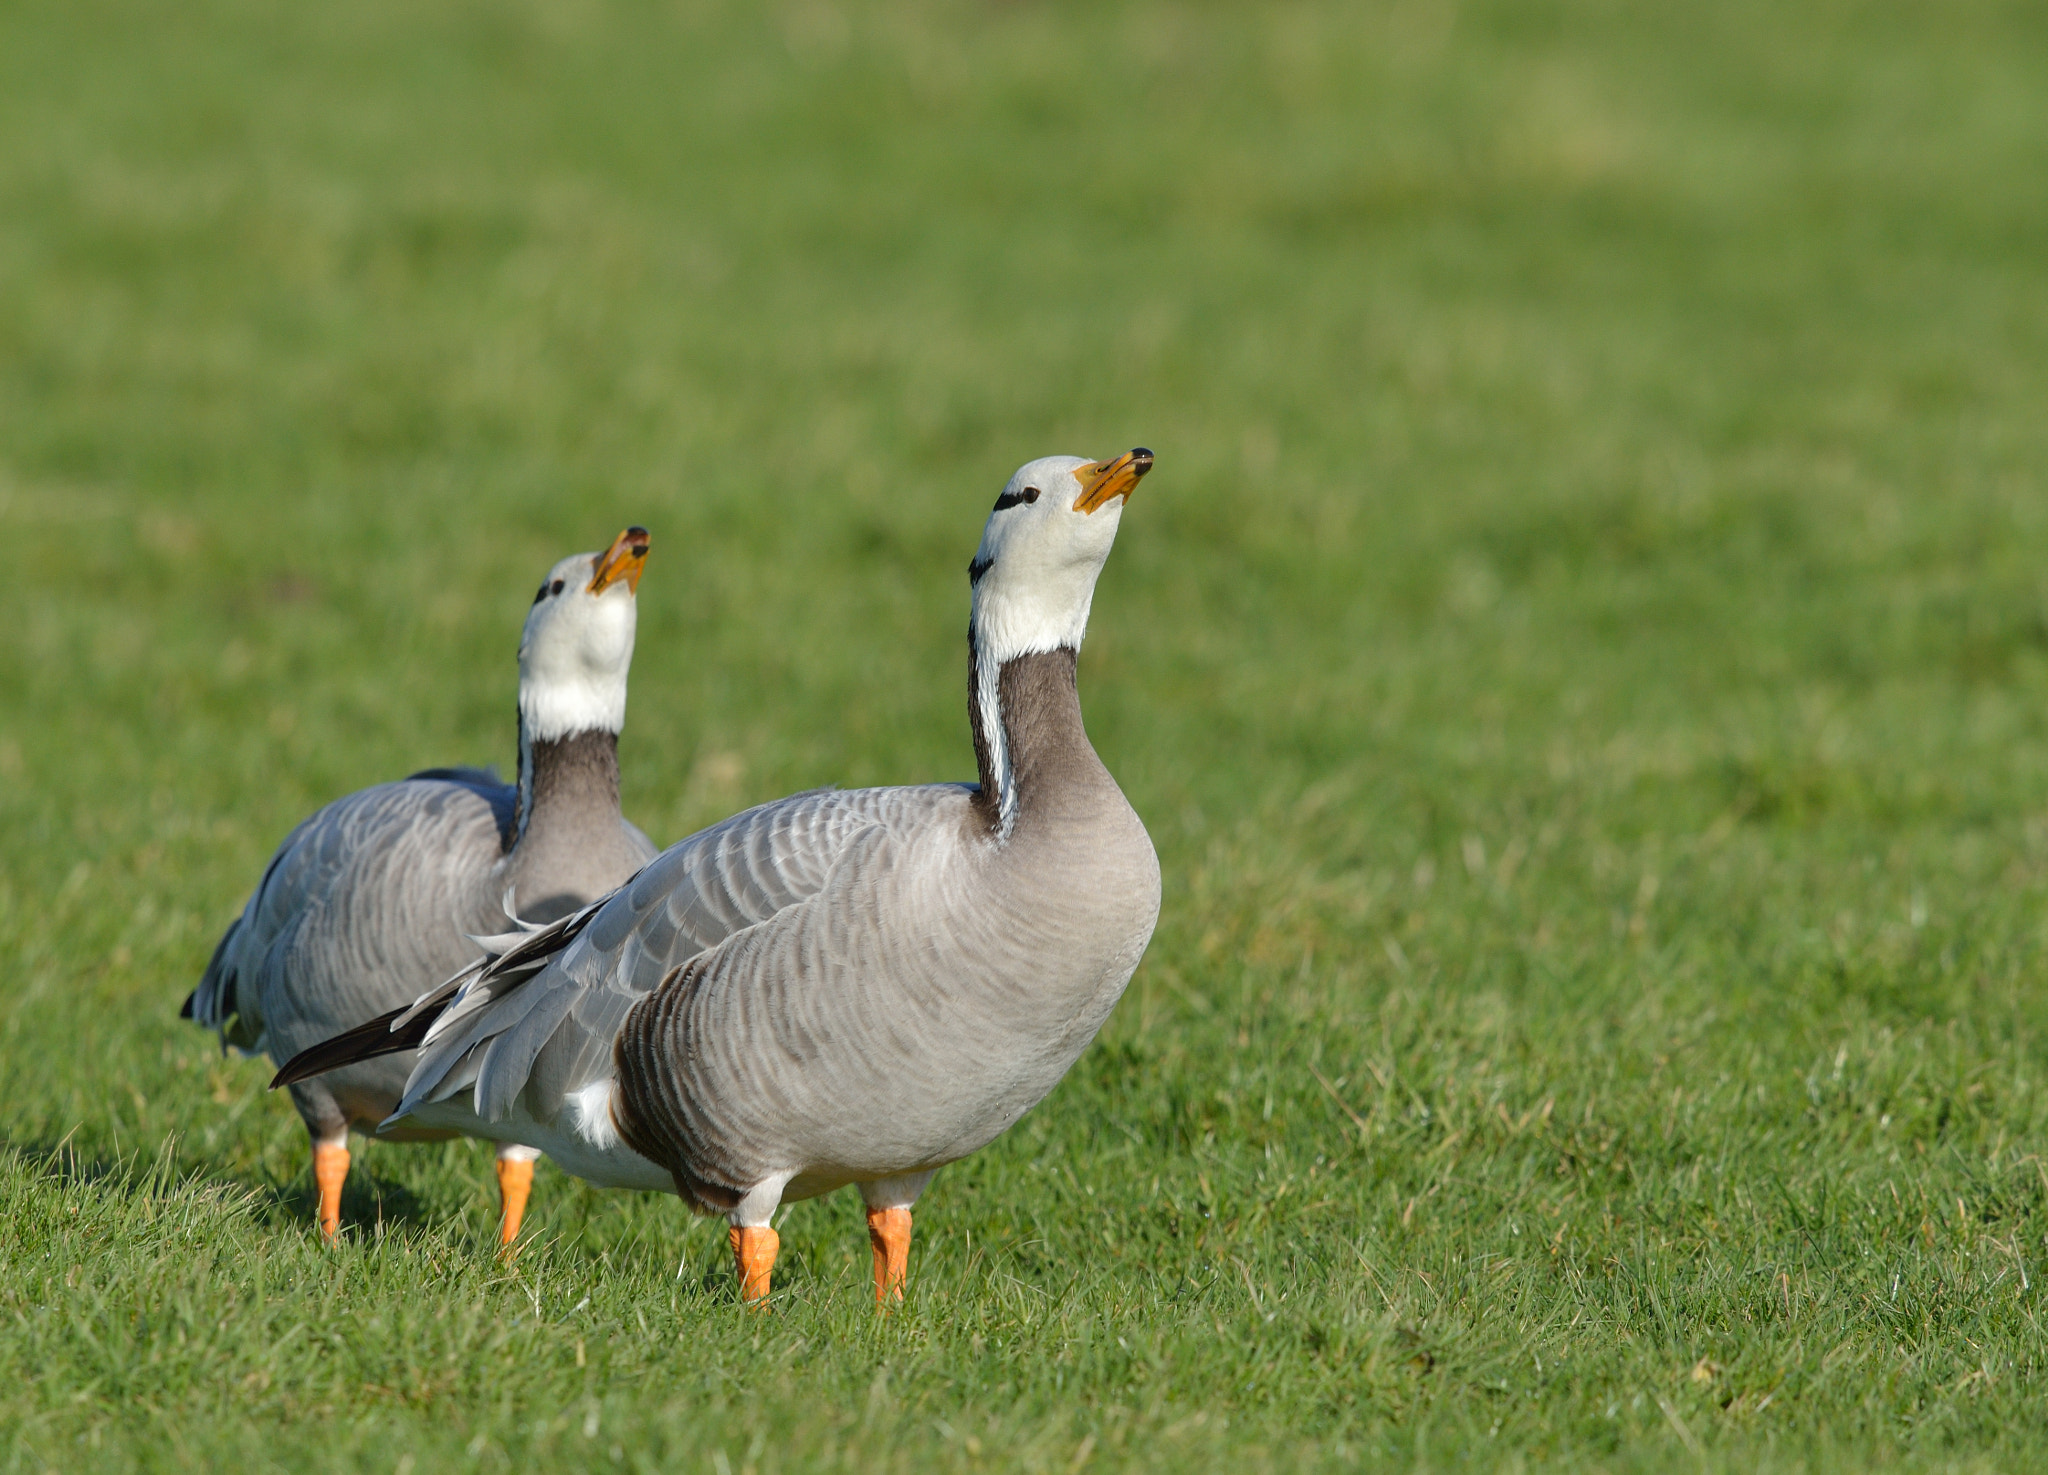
{"points": [[838, 987], [370, 902]]}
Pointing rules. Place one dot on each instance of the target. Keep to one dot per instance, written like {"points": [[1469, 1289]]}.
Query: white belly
{"points": [[607, 1163]]}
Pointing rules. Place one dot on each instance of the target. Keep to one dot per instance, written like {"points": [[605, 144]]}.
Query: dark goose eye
{"points": [[556, 587], [1011, 499]]}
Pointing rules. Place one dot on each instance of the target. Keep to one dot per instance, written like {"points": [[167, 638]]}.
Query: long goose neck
{"points": [[566, 783], [1029, 742]]}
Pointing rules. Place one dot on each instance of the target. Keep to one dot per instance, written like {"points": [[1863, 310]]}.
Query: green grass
{"points": [[1583, 658]]}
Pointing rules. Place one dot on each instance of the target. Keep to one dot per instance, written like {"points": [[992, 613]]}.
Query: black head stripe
{"points": [[1011, 499], [977, 568]]}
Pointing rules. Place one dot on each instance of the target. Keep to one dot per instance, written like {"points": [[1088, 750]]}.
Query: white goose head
{"points": [[578, 643], [1033, 579], [1034, 574]]}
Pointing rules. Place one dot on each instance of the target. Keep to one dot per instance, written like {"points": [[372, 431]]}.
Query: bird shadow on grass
{"points": [[166, 1189], [370, 1204], [370, 1201], [63, 1162]]}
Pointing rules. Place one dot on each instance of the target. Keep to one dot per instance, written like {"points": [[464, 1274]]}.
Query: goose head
{"points": [[1045, 543], [578, 643]]}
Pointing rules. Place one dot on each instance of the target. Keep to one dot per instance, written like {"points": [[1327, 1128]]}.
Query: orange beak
{"points": [[1101, 480], [625, 559]]}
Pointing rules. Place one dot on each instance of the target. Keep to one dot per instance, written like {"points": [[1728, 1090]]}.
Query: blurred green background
{"points": [[1583, 659]]}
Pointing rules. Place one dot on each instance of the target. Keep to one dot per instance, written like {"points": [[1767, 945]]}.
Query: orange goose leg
{"points": [[330, 1171], [889, 1235], [753, 1251], [515, 1183]]}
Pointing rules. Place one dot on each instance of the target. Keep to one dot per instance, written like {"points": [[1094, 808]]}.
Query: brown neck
{"points": [[568, 784], [1043, 755]]}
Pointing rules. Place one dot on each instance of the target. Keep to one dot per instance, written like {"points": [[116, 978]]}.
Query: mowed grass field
{"points": [[1582, 657]]}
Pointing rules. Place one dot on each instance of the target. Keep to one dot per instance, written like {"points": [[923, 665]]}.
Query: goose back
{"points": [[365, 905]]}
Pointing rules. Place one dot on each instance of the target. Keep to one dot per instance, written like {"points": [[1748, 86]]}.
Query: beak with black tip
{"points": [[625, 559], [1117, 477]]}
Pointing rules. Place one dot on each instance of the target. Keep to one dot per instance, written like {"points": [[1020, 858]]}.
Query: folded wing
{"points": [[540, 1013]]}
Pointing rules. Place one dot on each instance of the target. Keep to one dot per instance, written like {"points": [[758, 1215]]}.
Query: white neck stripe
{"points": [[988, 700]]}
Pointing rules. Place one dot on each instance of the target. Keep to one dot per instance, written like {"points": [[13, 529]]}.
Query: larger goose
{"points": [[838, 987], [368, 903]]}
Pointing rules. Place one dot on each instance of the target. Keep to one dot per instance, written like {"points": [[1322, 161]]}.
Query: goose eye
{"points": [[1011, 499], [556, 587]]}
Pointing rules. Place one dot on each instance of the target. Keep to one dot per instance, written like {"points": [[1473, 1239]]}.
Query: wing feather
{"points": [[541, 1017]]}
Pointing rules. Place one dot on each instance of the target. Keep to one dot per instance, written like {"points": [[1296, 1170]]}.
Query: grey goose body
{"points": [[935, 989], [841, 986], [373, 900]]}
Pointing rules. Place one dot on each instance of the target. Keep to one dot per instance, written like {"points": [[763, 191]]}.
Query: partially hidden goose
{"points": [[842, 986], [368, 903]]}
